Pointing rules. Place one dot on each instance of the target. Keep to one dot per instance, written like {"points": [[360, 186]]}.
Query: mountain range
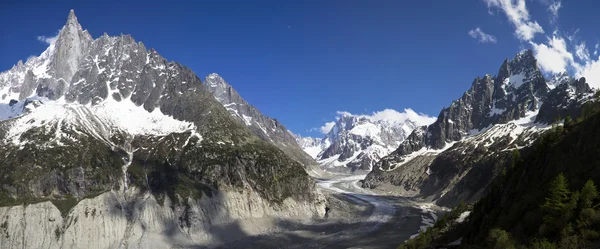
{"points": [[357, 142]]}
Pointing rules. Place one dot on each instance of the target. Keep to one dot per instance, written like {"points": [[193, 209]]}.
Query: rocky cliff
{"points": [[471, 141]]}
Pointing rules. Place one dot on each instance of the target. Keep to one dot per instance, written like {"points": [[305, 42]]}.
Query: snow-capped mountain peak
{"points": [[358, 141], [50, 73], [57, 87]]}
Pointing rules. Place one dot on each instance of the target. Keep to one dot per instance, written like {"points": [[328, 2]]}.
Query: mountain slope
{"points": [[266, 128], [456, 157], [357, 142], [571, 151], [522, 205], [106, 144]]}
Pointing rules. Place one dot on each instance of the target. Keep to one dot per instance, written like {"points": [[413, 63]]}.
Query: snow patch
{"points": [[463, 216], [366, 129], [515, 80], [247, 120], [100, 121]]}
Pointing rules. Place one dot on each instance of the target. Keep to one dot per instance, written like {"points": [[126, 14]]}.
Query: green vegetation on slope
{"points": [[547, 199]]}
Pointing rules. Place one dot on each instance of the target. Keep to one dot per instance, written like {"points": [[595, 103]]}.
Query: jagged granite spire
{"points": [[71, 44]]}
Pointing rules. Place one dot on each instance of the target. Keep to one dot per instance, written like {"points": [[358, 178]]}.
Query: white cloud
{"points": [[582, 52], [553, 57], [394, 116], [343, 113], [327, 127], [388, 115], [408, 114], [516, 11], [591, 71], [571, 37], [48, 39], [553, 8], [559, 53], [482, 36]]}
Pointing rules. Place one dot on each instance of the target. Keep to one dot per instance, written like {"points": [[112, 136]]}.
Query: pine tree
{"points": [[558, 209], [500, 239], [542, 244], [589, 193], [558, 197], [588, 216]]}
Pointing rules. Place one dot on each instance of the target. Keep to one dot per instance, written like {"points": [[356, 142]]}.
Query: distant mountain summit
{"points": [[359, 141]]}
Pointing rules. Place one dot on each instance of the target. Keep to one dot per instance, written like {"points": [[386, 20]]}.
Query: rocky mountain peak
{"points": [[457, 156], [216, 81], [222, 90], [521, 71], [267, 128], [68, 51], [19, 64], [581, 86], [358, 141], [215, 77], [72, 19], [518, 88]]}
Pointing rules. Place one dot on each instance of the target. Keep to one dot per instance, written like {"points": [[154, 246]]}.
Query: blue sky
{"points": [[303, 61]]}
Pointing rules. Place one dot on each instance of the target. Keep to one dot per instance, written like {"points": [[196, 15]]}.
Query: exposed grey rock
{"points": [[29, 85], [566, 100], [517, 89], [69, 49], [268, 129], [472, 139], [138, 220]]}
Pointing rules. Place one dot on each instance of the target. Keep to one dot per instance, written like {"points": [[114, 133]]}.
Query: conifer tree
{"points": [[557, 199], [589, 193]]}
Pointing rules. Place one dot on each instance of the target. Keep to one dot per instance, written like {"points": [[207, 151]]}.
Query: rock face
{"points": [[359, 141], [266, 128], [566, 100], [517, 89], [106, 125], [138, 220], [471, 140]]}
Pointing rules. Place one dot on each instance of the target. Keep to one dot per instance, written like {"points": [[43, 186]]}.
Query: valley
{"points": [[356, 218], [105, 143]]}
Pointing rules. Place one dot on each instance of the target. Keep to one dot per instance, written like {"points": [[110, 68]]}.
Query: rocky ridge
{"points": [[268, 129], [455, 158]]}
